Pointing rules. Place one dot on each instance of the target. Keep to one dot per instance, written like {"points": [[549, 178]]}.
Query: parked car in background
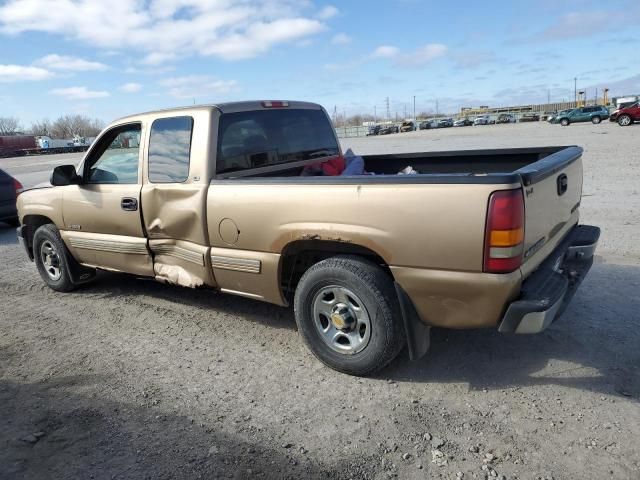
{"points": [[445, 122], [387, 129], [10, 188], [554, 115], [530, 117], [627, 115], [463, 122], [426, 125], [374, 130], [506, 118], [407, 126], [481, 120], [594, 114]]}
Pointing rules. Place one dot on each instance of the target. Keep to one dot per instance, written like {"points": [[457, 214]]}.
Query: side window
{"points": [[115, 160], [169, 149]]}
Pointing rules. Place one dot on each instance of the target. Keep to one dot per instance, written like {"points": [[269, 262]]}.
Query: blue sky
{"points": [[109, 59]]}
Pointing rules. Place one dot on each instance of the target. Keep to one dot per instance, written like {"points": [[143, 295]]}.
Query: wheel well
{"points": [[299, 256], [33, 222]]}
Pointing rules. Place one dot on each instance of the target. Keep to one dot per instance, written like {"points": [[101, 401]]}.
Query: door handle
{"points": [[129, 204]]}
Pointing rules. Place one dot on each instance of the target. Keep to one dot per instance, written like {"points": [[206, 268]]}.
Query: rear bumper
{"points": [[546, 292]]}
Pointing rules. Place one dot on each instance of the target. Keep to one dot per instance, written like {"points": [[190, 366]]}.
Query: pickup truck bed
{"points": [[213, 196]]}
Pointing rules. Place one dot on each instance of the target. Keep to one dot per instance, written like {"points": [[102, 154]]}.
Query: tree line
{"points": [[66, 126]]}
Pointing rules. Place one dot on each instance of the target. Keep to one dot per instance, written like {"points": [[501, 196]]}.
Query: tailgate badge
{"points": [[563, 183]]}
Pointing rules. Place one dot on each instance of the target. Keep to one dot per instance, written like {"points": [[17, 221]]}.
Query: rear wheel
{"points": [[624, 120], [596, 120], [51, 258], [348, 314], [564, 122]]}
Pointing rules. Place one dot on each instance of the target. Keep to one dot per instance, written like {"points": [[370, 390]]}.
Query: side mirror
{"points": [[64, 175]]}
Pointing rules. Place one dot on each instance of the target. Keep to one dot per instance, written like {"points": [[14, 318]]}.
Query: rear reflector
{"points": [[275, 104], [17, 186], [504, 236]]}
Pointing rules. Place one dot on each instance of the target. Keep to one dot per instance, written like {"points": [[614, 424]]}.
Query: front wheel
{"points": [[564, 122], [349, 316], [624, 120], [51, 258], [596, 120]]}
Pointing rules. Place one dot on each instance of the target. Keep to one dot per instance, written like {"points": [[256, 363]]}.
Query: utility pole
{"points": [[375, 115], [548, 96], [437, 112], [414, 108], [388, 112], [335, 115], [575, 91], [596, 96]]}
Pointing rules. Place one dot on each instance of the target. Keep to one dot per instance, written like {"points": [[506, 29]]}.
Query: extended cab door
{"points": [[103, 227], [174, 194]]}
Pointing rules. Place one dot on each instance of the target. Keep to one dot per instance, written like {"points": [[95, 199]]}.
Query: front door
{"points": [[102, 220]]}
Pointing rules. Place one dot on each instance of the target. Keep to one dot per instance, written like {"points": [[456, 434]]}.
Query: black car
{"points": [[374, 130], [530, 117], [387, 129], [9, 190], [445, 122]]}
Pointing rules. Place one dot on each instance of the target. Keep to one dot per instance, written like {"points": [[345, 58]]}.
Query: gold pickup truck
{"points": [[245, 198]]}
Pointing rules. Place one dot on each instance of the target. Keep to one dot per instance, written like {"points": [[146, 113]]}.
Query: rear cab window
{"points": [[265, 138]]}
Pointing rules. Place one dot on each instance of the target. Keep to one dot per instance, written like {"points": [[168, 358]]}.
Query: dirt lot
{"points": [[127, 378]]}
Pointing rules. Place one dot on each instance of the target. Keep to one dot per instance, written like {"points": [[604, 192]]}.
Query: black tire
{"points": [[375, 290], [48, 236], [596, 120], [565, 122], [625, 120]]}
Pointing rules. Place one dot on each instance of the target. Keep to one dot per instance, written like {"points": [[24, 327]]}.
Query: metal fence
{"points": [[348, 132]]}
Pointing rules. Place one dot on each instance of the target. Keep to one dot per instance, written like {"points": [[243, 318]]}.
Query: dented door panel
{"points": [[116, 253], [181, 263]]}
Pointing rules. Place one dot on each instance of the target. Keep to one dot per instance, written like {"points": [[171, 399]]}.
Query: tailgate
{"points": [[552, 191]]}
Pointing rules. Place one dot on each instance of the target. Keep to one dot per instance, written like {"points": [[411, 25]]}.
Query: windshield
{"points": [[263, 138]]}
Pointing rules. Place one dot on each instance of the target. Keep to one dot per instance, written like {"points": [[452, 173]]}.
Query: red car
{"points": [[627, 115]]}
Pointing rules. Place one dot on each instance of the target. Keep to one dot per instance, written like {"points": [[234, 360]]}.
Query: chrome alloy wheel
{"points": [[341, 320], [624, 120], [50, 260]]}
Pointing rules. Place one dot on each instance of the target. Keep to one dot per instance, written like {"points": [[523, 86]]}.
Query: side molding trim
{"points": [[236, 264]]}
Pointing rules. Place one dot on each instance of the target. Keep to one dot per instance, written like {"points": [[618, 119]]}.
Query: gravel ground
{"points": [[128, 378]]}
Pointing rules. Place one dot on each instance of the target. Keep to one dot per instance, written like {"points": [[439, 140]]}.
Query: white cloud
{"points": [[385, 51], [327, 12], [341, 39], [259, 37], [157, 58], [68, 63], [21, 73], [198, 86], [227, 29], [131, 87], [417, 58], [423, 55], [78, 93]]}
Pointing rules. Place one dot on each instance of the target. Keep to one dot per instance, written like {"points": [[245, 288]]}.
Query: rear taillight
{"points": [[17, 186], [504, 236], [275, 104]]}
